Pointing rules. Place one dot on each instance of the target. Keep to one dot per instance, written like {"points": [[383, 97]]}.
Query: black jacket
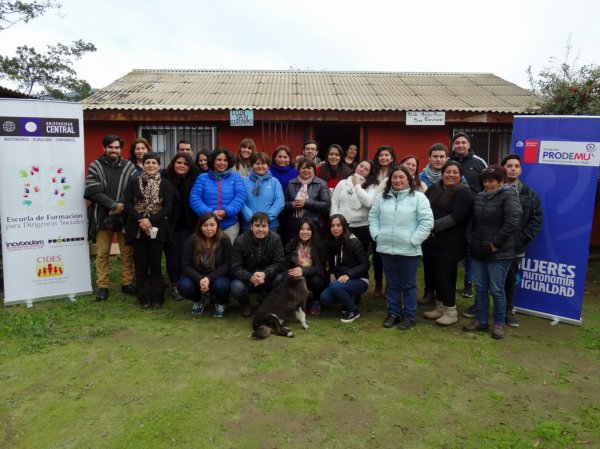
{"points": [[472, 166], [196, 273], [351, 261], [249, 255], [531, 218], [495, 220]]}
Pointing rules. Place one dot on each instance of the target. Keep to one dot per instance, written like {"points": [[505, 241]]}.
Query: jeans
{"points": [[344, 292], [191, 290], [174, 255], [241, 290], [489, 279], [468, 270], [401, 279]]}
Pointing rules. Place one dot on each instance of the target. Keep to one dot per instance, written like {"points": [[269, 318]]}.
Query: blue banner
{"points": [[560, 158]]}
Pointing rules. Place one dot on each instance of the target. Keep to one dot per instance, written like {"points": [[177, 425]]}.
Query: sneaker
{"points": [[315, 308], [198, 307], [498, 331], [175, 293], [511, 320], [349, 317], [390, 321], [476, 326], [406, 324], [470, 312], [219, 310], [246, 311], [467, 290]]}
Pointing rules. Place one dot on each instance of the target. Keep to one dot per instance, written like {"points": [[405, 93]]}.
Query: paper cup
{"points": [[153, 232]]}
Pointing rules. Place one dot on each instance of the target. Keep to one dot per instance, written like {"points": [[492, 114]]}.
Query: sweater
{"points": [[283, 174], [353, 202]]}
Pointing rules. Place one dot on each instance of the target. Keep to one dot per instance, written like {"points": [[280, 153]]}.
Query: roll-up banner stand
{"points": [[43, 217], [560, 158]]}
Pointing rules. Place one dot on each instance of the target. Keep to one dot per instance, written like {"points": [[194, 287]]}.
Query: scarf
{"points": [[217, 176], [304, 258], [258, 180], [302, 194], [149, 203], [433, 176]]}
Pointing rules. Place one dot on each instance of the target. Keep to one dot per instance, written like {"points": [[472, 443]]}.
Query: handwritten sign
{"points": [[426, 118], [241, 117]]}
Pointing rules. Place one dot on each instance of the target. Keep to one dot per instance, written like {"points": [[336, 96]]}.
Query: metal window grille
{"points": [[164, 137], [489, 143]]}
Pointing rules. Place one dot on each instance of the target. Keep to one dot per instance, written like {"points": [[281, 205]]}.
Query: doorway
{"points": [[344, 135]]}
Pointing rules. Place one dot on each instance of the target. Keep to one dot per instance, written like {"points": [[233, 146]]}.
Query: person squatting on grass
{"points": [[399, 221], [206, 257]]}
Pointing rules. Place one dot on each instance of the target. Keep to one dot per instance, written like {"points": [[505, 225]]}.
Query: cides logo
{"points": [[569, 153], [49, 266]]}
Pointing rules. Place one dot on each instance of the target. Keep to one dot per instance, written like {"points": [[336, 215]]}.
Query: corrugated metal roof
{"points": [[310, 90]]}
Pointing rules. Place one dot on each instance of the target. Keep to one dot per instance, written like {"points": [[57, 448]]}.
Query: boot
{"points": [[143, 297], [377, 291], [428, 296], [450, 316], [437, 312]]}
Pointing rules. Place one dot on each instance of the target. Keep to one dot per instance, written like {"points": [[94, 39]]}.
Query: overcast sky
{"points": [[477, 36]]}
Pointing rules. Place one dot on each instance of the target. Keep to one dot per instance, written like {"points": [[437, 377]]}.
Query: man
{"points": [[432, 173], [311, 151], [529, 228], [106, 180], [472, 166], [184, 146], [256, 262]]}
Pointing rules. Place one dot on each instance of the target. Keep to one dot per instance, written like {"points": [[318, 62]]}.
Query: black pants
{"points": [[148, 269], [316, 284], [510, 283], [441, 275]]}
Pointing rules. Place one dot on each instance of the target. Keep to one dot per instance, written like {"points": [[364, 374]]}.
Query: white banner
{"points": [[43, 217]]}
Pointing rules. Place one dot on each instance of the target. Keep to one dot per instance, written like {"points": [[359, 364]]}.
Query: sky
{"points": [[503, 38]]}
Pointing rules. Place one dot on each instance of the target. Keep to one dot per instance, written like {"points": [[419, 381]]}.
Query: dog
{"points": [[291, 295]]}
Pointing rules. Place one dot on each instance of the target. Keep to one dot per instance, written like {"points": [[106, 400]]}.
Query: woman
{"points": [[281, 168], [348, 268], [412, 163], [451, 201], [306, 196], [138, 148], [490, 235], [333, 170], [148, 200], [384, 159], [182, 173], [220, 191], [242, 165], [304, 257], [202, 160], [351, 158], [206, 258], [353, 198], [399, 221], [263, 193]]}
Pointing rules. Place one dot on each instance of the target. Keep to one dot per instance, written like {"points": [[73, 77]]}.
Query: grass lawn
{"points": [[107, 375]]}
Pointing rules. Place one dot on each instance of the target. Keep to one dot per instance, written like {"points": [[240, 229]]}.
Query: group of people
{"points": [[233, 225]]}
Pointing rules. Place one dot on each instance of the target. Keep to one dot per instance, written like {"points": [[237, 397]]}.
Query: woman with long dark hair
{"points": [[202, 160], [399, 221], [242, 164], [348, 268], [304, 257], [333, 169], [138, 148], [412, 163], [148, 200], [206, 258], [182, 173], [282, 168]]}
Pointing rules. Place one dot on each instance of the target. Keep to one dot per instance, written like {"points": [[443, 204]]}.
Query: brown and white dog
{"points": [[289, 296]]}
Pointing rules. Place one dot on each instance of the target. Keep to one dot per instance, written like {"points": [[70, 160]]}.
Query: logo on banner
{"points": [[584, 154], [49, 266], [23, 245], [65, 241], [39, 127]]}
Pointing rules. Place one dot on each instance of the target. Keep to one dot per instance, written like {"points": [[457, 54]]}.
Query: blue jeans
{"points": [[191, 290], [401, 281], [241, 290], [343, 292], [468, 270], [489, 279]]}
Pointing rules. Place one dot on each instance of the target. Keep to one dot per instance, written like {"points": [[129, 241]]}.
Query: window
{"points": [[489, 143], [163, 138]]}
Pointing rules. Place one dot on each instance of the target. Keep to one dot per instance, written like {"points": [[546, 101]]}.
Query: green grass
{"points": [[107, 375]]}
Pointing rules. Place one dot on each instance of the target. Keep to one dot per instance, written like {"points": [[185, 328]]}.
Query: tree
{"points": [[50, 73], [12, 13], [566, 89]]}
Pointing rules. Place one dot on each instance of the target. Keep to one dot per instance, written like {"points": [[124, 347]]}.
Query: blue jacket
{"points": [[211, 192], [270, 200], [399, 224]]}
